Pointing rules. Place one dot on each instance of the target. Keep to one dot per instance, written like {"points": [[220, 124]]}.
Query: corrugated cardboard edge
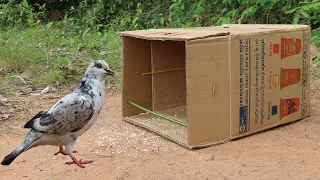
{"points": [[210, 144], [267, 26], [272, 28], [266, 129], [174, 140], [187, 90], [127, 119], [172, 38]]}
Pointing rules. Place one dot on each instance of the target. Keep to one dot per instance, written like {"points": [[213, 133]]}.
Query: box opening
{"points": [[159, 75]]}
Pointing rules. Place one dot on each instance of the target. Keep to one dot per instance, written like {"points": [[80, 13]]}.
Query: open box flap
{"points": [[176, 34]]}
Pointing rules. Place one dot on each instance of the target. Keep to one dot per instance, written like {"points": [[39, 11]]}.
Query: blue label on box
{"points": [[244, 80], [244, 119], [274, 110]]}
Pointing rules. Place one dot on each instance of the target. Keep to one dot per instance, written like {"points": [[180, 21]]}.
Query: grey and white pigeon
{"points": [[69, 118]]}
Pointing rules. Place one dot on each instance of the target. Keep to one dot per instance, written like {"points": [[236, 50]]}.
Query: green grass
{"points": [[6, 84], [55, 54]]}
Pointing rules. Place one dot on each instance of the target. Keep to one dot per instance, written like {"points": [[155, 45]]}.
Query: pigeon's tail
{"points": [[25, 145]]}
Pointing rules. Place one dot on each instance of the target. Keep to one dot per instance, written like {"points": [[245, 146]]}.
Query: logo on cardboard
{"points": [[290, 47], [289, 77], [274, 49], [288, 106], [274, 80]]}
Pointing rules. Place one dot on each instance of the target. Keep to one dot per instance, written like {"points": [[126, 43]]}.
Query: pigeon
{"points": [[68, 118]]}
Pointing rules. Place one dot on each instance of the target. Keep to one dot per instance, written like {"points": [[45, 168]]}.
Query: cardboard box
{"points": [[217, 83]]}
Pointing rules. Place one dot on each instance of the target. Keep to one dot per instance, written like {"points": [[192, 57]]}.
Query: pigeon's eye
{"points": [[98, 65]]}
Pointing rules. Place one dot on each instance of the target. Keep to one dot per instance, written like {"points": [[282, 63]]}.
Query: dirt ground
{"points": [[122, 151]]}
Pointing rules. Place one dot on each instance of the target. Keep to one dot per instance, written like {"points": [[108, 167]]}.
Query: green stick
{"points": [[159, 115]]}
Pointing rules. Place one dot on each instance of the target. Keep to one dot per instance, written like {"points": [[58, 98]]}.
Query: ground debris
{"points": [[3, 101], [4, 116], [48, 90]]}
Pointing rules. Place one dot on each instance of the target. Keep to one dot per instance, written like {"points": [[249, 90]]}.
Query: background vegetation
{"points": [[51, 42]]}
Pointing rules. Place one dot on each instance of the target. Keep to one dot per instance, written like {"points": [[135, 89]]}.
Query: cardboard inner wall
{"points": [[208, 90], [169, 88], [136, 88]]}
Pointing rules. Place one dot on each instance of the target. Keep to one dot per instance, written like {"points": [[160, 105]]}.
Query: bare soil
{"points": [[122, 151]]}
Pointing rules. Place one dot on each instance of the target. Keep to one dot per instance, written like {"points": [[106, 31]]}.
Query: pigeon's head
{"points": [[100, 67]]}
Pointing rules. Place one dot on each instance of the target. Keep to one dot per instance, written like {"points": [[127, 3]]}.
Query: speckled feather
{"points": [[70, 114]]}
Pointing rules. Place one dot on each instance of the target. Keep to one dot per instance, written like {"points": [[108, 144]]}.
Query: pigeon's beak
{"points": [[109, 72]]}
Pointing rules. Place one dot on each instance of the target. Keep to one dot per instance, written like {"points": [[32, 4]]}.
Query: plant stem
{"points": [[159, 115]]}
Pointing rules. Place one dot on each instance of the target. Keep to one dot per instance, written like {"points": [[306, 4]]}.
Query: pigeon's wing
{"points": [[69, 114]]}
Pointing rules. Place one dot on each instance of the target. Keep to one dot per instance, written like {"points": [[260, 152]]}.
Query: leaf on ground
{"points": [[3, 100], [48, 90], [4, 116]]}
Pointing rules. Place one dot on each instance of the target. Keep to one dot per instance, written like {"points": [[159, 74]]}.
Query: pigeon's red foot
{"points": [[78, 162], [62, 151]]}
